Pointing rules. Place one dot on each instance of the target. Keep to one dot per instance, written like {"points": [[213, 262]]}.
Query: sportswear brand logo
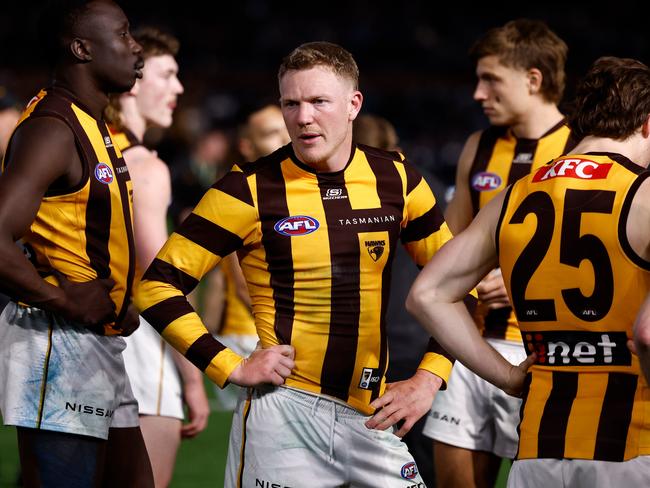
{"points": [[334, 194], [375, 249], [409, 471], [88, 409], [104, 173], [582, 169], [296, 225], [524, 158], [107, 141], [486, 181], [369, 378], [579, 348]]}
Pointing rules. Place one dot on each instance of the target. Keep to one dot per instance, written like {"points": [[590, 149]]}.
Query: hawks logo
{"points": [[486, 181], [375, 249], [104, 173], [296, 225]]}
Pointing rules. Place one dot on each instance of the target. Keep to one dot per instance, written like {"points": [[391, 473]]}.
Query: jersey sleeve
{"points": [[224, 221], [424, 233]]}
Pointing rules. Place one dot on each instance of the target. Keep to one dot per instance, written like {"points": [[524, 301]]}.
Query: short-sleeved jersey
{"points": [[85, 232], [576, 286], [316, 250], [500, 160], [237, 318]]}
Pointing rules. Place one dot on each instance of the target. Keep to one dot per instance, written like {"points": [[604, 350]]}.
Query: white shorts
{"points": [[154, 377], [579, 473], [474, 414], [59, 376], [286, 437], [244, 345]]}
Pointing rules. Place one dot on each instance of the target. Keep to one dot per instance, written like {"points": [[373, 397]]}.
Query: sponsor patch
{"points": [[375, 249], [409, 471], [334, 194], [579, 348], [486, 181], [104, 173], [107, 141], [296, 225], [369, 378], [582, 169]]}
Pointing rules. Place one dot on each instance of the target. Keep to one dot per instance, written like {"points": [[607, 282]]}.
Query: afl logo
{"points": [[485, 181], [296, 225], [104, 173], [409, 471]]}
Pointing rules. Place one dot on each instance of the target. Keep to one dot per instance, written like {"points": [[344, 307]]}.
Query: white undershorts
{"points": [[579, 473], [474, 414], [291, 438], [244, 345], [154, 377], [59, 376]]}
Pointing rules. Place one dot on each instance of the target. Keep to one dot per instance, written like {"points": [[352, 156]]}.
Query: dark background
{"points": [[412, 55]]}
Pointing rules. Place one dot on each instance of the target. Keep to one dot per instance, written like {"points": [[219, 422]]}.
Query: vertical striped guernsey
{"points": [[316, 251], [576, 286], [87, 231], [500, 160]]}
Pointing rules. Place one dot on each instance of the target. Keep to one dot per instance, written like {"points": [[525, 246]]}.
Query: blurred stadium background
{"points": [[414, 72]]}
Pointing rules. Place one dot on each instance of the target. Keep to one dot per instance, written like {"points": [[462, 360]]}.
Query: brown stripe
{"points": [[524, 395], [339, 360], [622, 160], [272, 203], [160, 270], [209, 236], [615, 417], [234, 184], [122, 176], [552, 427], [484, 150], [423, 226], [203, 350], [164, 313], [390, 192], [413, 177], [470, 303], [519, 170]]}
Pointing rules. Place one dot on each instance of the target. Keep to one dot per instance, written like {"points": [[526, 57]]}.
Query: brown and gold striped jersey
{"points": [[576, 286], [237, 318], [500, 160], [316, 250], [85, 232]]}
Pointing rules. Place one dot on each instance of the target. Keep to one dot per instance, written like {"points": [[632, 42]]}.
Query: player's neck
{"points": [[537, 121], [83, 89], [131, 116], [632, 148]]}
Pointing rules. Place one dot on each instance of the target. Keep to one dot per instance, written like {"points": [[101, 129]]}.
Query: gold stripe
{"points": [[41, 403], [540, 389], [160, 377], [247, 407], [585, 415]]}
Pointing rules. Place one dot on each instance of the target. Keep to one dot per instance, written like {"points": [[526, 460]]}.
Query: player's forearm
{"points": [[190, 374], [20, 280]]}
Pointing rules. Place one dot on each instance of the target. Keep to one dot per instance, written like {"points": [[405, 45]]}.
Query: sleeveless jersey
{"points": [[576, 286], [237, 318], [500, 160], [85, 232], [316, 250]]}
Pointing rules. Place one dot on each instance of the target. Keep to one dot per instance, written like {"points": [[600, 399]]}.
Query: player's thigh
{"points": [[127, 461], [58, 459], [454, 466], [162, 437]]}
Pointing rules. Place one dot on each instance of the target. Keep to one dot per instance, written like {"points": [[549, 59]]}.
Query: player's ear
{"points": [[535, 78], [355, 104], [80, 49], [645, 128]]}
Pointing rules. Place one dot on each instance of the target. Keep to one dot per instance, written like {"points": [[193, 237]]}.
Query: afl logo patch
{"points": [[409, 471], [485, 181], [104, 173], [296, 225]]}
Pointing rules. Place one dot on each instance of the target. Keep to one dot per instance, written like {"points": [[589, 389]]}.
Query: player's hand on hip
{"points": [[271, 365], [405, 401], [517, 376], [130, 322], [492, 290], [87, 303]]}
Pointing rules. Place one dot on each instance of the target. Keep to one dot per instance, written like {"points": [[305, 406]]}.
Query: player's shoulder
{"points": [[375, 152]]}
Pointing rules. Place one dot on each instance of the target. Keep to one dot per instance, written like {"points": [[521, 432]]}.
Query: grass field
{"points": [[200, 461]]}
